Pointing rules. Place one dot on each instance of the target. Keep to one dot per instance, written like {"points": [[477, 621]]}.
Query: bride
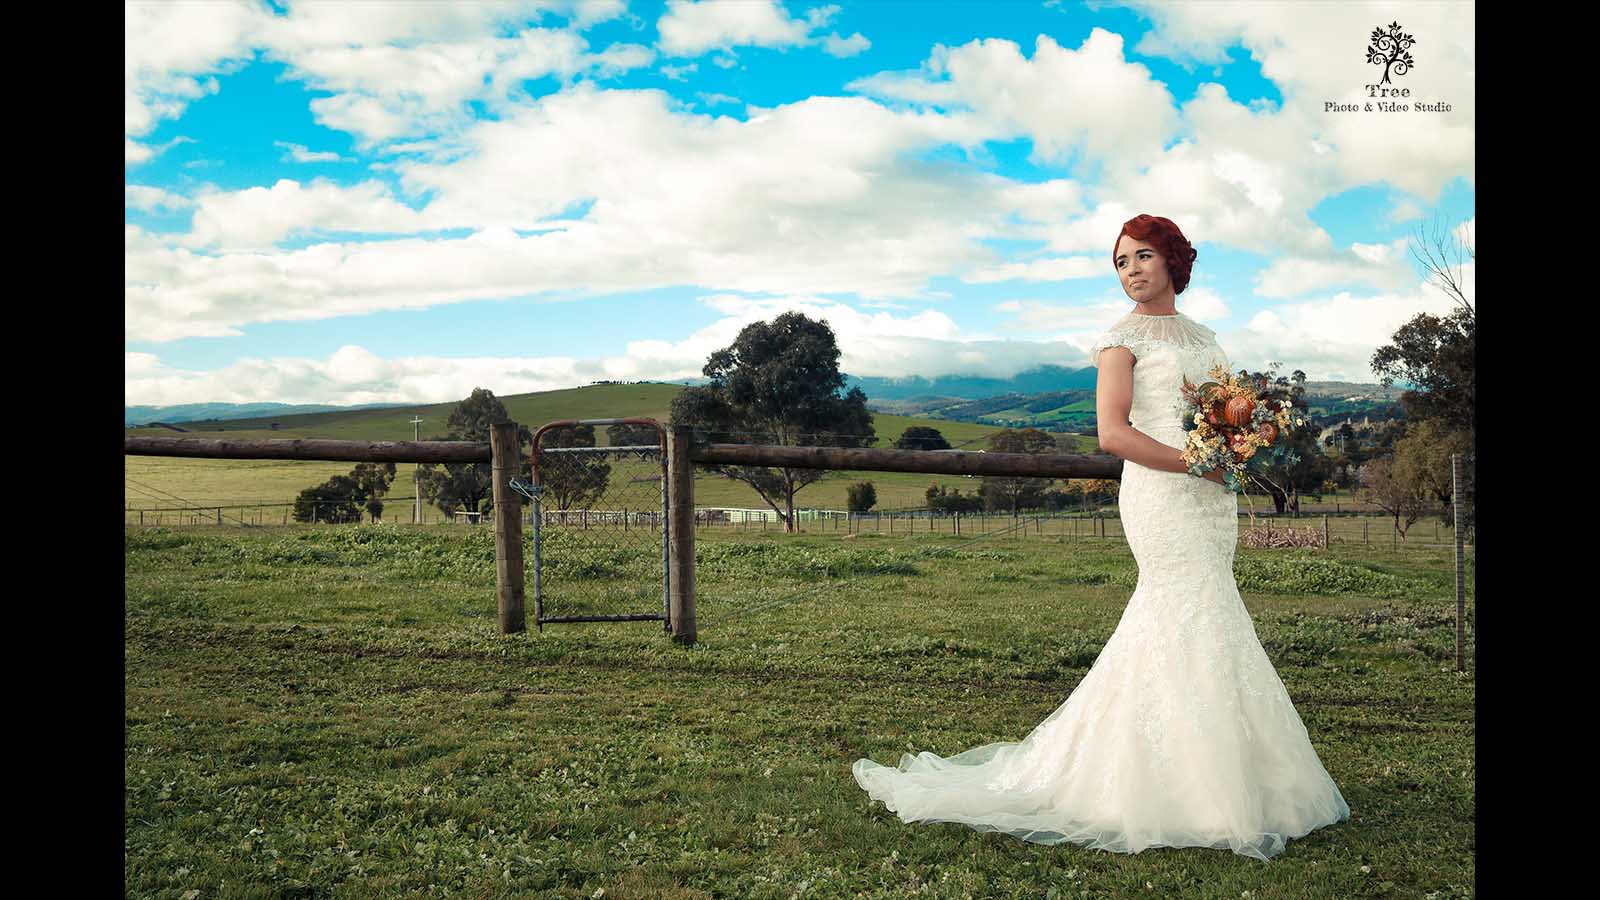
{"points": [[1181, 734]]}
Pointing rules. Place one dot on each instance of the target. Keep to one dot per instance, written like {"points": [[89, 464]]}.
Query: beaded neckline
{"points": [[1143, 316]]}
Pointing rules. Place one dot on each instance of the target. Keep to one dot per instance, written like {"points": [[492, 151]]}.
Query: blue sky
{"points": [[397, 202]]}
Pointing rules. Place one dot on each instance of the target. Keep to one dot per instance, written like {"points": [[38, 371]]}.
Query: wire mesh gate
{"points": [[600, 536]]}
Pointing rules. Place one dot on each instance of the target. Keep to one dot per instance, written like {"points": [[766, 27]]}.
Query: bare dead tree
{"points": [[1442, 251]]}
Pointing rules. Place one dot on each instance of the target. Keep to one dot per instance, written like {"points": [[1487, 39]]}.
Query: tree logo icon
{"points": [[1391, 49]]}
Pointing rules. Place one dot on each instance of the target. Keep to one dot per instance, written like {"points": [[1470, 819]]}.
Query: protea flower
{"points": [[1239, 411]]}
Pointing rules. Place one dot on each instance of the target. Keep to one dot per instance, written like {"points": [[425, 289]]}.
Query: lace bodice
{"points": [[1166, 350]]}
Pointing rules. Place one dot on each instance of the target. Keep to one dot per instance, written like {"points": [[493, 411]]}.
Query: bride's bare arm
{"points": [[1113, 401]]}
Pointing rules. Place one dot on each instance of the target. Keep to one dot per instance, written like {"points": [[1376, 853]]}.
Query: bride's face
{"points": [[1142, 269]]}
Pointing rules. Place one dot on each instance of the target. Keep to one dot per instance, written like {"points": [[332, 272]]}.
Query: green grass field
{"points": [[329, 712], [154, 481]]}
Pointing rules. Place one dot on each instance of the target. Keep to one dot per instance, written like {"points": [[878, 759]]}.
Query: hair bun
{"points": [[1163, 234]]}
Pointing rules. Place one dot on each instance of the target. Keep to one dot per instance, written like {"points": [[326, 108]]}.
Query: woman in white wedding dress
{"points": [[1181, 734]]}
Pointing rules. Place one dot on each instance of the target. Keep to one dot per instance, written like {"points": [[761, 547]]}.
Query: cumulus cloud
{"points": [[1382, 266], [1059, 268], [1330, 338], [690, 29], [412, 70], [1311, 52], [694, 28], [871, 343], [1063, 100], [170, 51], [256, 218], [593, 191], [351, 375], [821, 196]]}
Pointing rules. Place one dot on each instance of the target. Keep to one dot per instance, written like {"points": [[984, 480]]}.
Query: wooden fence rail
{"points": [[937, 462], [312, 449]]}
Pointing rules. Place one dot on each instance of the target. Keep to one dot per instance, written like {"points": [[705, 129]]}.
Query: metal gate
{"points": [[600, 536]]}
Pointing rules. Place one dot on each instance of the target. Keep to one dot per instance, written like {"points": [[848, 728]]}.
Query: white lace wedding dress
{"points": [[1181, 734]]}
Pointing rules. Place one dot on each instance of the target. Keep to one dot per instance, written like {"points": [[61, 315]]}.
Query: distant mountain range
{"points": [[1044, 379], [202, 412]]}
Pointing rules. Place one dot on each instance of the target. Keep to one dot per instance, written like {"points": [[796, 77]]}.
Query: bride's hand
{"points": [[1216, 475]]}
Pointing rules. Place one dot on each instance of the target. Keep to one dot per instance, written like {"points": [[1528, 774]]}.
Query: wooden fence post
{"points": [[680, 520], [1325, 543], [1461, 571], [503, 450]]}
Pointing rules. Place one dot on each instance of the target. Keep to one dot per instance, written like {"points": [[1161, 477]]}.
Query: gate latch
{"points": [[529, 491]]}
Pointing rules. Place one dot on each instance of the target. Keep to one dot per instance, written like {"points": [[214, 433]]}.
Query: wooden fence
{"points": [[683, 451]]}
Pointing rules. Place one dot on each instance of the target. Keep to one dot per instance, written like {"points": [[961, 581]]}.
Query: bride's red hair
{"points": [[1165, 236]]}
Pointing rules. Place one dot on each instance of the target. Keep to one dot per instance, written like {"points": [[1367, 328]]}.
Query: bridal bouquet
{"points": [[1234, 423]]}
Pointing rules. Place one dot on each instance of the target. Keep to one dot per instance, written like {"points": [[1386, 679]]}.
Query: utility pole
{"points": [[416, 506]]}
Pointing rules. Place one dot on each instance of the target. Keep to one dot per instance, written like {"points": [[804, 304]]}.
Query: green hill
{"points": [[163, 481]]}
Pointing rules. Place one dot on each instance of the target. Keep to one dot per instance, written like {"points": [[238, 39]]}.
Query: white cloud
{"points": [[1090, 99], [870, 343], [149, 199], [909, 87], [1312, 52], [134, 152], [302, 154], [170, 49], [411, 70], [855, 44], [821, 196], [619, 58], [678, 73], [1060, 268], [694, 28], [1074, 326], [1082, 320], [1240, 174], [1405, 211], [690, 29], [1382, 266], [824, 196], [351, 375], [1330, 338], [256, 218], [593, 12]]}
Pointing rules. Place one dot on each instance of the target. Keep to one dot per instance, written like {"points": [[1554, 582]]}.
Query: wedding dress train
{"points": [[1181, 734]]}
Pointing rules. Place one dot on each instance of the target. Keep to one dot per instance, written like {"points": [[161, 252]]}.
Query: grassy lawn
{"points": [[154, 481], [329, 712]]}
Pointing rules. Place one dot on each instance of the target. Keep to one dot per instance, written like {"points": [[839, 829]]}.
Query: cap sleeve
{"points": [[1116, 337]]}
